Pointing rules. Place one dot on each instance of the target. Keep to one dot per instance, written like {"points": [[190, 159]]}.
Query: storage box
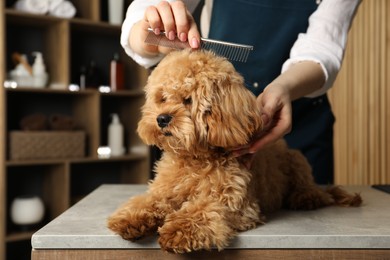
{"points": [[25, 145]]}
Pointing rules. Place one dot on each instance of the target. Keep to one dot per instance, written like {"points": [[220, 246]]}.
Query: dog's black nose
{"points": [[163, 120]]}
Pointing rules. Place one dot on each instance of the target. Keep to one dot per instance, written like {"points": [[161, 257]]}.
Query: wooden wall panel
{"points": [[2, 134], [361, 99]]}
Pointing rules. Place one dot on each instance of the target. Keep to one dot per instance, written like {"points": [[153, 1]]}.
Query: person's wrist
{"points": [[280, 90]]}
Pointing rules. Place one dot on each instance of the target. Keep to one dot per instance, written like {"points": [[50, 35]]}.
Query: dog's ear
{"points": [[230, 112]]}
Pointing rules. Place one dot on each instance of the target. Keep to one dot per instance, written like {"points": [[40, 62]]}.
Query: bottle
{"points": [[115, 136], [116, 74], [82, 79], [115, 11], [27, 210], [39, 71]]}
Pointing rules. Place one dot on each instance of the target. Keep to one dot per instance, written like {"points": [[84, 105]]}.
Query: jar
{"points": [[27, 210]]}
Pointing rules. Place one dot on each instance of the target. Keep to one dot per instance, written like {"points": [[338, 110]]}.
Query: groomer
{"points": [[298, 50]]}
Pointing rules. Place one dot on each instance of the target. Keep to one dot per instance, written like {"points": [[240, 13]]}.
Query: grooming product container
{"points": [[115, 136], [115, 11], [39, 71], [27, 210], [116, 74]]}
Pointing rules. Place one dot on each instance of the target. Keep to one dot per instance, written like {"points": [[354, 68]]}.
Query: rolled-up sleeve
{"points": [[135, 12], [325, 39]]}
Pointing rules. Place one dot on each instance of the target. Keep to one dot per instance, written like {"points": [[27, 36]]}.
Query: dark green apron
{"points": [[272, 27]]}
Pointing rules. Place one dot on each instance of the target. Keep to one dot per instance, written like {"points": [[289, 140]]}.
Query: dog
{"points": [[197, 110]]}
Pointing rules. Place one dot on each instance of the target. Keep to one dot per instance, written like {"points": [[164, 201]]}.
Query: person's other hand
{"points": [[275, 104]]}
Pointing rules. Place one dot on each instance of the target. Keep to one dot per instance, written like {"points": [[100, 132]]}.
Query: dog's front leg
{"points": [[197, 225], [140, 216]]}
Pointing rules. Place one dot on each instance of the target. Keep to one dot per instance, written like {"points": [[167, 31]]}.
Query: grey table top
{"points": [[83, 226]]}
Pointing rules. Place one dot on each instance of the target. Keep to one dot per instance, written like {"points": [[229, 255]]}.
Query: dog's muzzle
{"points": [[163, 120]]}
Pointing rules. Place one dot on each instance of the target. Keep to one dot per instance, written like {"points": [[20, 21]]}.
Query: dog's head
{"points": [[195, 102]]}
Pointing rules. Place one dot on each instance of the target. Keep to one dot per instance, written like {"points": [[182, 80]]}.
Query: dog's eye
{"points": [[160, 97], [187, 101]]}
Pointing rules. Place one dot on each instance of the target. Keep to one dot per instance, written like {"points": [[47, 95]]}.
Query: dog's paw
{"points": [[174, 241], [184, 237], [133, 226], [178, 237]]}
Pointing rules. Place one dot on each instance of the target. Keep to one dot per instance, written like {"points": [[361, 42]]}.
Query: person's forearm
{"points": [[300, 79]]}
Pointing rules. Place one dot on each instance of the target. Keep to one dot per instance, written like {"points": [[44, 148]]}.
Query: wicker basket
{"points": [[26, 145]]}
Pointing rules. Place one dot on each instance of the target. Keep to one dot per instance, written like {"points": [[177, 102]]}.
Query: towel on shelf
{"points": [[60, 122], [54, 3], [62, 8], [34, 122], [33, 6]]}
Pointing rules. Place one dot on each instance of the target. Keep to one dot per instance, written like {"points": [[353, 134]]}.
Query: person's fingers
{"points": [[270, 105], [265, 140], [265, 119], [175, 20], [240, 152], [275, 132], [167, 19], [193, 35], [181, 19], [186, 27], [152, 19]]}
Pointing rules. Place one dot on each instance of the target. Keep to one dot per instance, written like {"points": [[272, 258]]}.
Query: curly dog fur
{"points": [[197, 109]]}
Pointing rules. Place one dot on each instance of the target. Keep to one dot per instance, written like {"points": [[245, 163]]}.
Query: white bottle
{"points": [[115, 11], [39, 71], [115, 136]]}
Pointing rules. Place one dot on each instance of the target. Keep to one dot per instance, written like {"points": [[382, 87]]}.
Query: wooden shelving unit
{"points": [[66, 45]]}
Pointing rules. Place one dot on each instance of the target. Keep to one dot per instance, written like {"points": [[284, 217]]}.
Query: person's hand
{"points": [[173, 18], [275, 104], [299, 80]]}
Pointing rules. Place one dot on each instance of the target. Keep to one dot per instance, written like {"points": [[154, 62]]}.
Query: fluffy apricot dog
{"points": [[197, 109]]}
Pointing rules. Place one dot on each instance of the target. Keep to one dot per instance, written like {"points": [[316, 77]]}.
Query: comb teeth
{"points": [[231, 51]]}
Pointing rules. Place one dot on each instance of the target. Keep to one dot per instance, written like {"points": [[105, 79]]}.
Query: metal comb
{"points": [[231, 51]]}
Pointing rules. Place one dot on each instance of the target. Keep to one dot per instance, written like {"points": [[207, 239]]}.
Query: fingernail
{"points": [[157, 31], [171, 35], [194, 43], [183, 37]]}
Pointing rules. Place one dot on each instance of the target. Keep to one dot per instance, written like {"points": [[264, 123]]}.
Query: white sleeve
{"points": [[325, 39], [135, 12]]}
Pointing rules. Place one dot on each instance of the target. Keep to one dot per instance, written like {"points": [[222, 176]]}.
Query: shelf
{"points": [[17, 17], [121, 93], [66, 46], [22, 18], [86, 160], [49, 91], [18, 236], [124, 158], [93, 27]]}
